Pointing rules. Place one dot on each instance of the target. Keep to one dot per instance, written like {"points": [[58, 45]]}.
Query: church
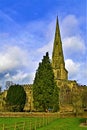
{"points": [[67, 87], [61, 74], [61, 78]]}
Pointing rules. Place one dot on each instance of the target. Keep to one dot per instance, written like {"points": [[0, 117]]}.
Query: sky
{"points": [[27, 29]]}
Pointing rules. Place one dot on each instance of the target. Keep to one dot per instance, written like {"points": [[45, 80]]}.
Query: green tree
{"points": [[44, 87], [16, 98], [56, 99]]}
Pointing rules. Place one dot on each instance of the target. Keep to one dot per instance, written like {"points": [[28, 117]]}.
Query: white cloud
{"points": [[69, 25], [77, 71], [72, 67], [74, 44], [46, 48], [20, 76], [12, 57], [82, 75], [7, 75]]}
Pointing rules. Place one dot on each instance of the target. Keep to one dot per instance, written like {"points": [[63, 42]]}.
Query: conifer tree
{"points": [[16, 98], [45, 90]]}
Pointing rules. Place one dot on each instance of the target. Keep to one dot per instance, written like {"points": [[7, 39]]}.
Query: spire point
{"points": [[57, 31], [57, 19]]}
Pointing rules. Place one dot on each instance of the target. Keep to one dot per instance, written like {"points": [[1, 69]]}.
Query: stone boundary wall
{"points": [[40, 114], [27, 114]]}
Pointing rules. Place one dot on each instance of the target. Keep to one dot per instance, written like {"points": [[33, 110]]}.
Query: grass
{"points": [[10, 122], [58, 124], [65, 124]]}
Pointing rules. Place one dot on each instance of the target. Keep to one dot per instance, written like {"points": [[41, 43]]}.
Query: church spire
{"points": [[57, 32], [57, 49], [58, 63]]}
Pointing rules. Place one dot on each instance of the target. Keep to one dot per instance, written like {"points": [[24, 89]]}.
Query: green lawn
{"points": [[65, 124], [10, 122], [58, 124]]}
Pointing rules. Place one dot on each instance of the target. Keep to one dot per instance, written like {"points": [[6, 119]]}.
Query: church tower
{"points": [[58, 63]]}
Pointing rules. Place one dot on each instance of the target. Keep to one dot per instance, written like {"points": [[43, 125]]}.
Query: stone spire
{"points": [[58, 63], [57, 32]]}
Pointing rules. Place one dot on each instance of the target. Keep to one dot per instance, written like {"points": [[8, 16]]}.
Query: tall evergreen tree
{"points": [[16, 98], [45, 91]]}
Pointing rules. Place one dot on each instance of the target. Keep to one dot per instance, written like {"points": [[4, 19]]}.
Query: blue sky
{"points": [[27, 32]]}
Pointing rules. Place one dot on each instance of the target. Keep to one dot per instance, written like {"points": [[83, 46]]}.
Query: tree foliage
{"points": [[45, 91], [16, 98]]}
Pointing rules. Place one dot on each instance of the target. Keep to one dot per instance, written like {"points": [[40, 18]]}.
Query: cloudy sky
{"points": [[27, 30]]}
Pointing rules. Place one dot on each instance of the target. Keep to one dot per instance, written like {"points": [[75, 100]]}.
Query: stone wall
{"points": [[29, 98]]}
